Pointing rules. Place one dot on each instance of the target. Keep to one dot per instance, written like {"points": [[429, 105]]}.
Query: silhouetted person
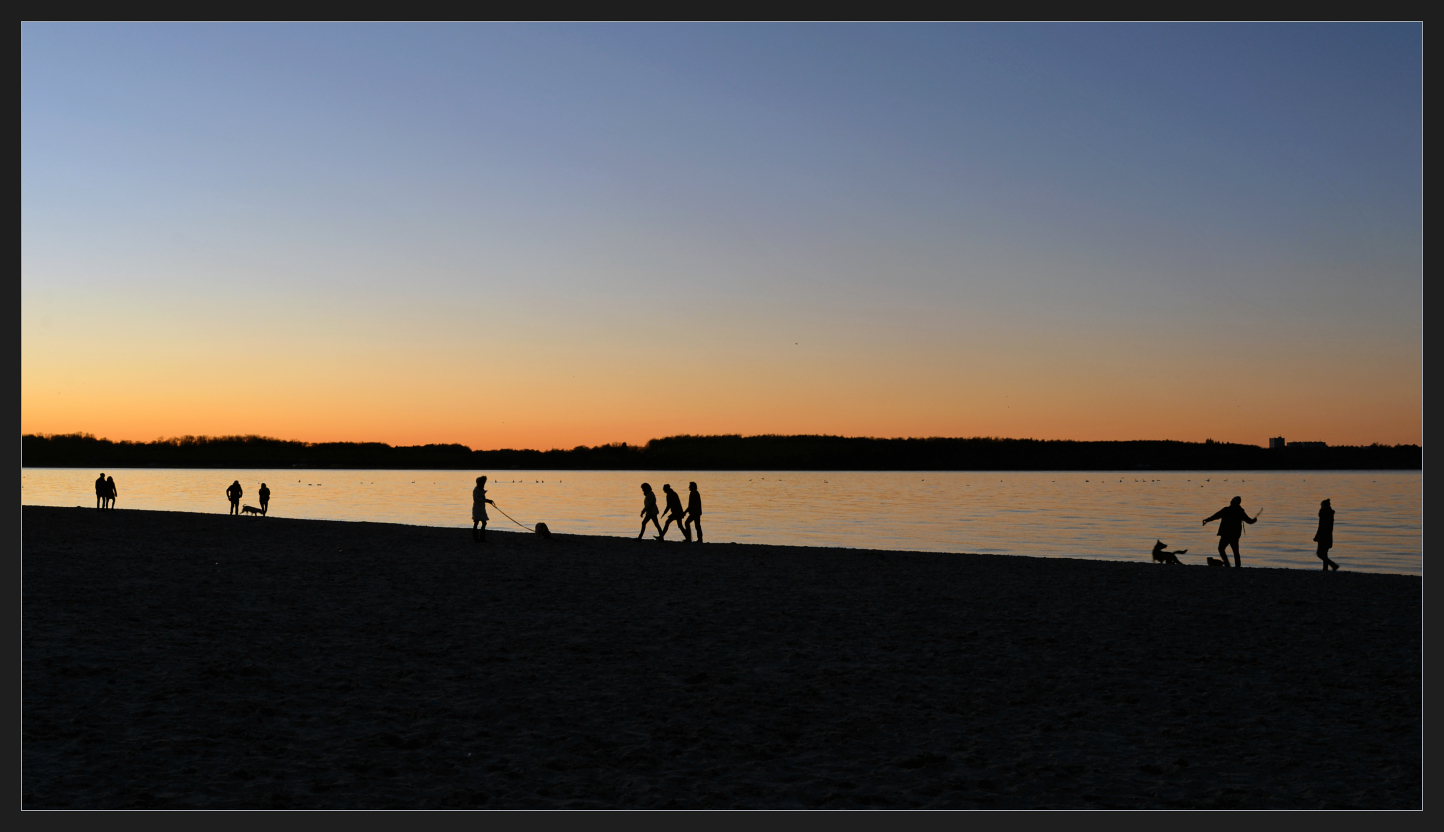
{"points": [[1325, 535], [694, 512], [110, 492], [234, 495], [1167, 557], [478, 510], [1230, 527], [674, 513], [649, 511], [265, 495], [101, 490]]}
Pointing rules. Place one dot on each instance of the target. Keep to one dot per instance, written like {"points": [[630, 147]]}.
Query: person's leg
{"points": [[1223, 551], [483, 531], [656, 526], [697, 524], [1234, 545], [666, 527], [643, 533]]}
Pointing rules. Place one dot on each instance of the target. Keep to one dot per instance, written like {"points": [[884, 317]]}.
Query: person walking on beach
{"points": [[265, 496], [694, 513], [1325, 535], [1230, 527], [649, 511], [101, 490], [234, 495], [110, 492], [674, 513], [478, 510]]}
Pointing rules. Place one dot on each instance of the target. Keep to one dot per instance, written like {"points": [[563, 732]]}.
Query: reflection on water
{"points": [[1110, 515]]}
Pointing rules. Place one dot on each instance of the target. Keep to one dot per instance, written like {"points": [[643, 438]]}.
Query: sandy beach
{"points": [[177, 660]]}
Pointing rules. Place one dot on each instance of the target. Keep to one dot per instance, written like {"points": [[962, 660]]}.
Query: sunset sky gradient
{"points": [[552, 235]]}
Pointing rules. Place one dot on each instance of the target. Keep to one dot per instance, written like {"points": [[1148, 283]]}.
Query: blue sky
{"points": [[1079, 219]]}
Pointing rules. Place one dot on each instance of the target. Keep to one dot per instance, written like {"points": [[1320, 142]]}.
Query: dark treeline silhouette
{"points": [[717, 453]]}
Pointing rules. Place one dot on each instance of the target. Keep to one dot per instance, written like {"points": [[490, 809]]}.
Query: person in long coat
{"points": [[1325, 535]]}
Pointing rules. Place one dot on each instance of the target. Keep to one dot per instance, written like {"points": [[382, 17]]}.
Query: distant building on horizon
{"points": [[1276, 442]]}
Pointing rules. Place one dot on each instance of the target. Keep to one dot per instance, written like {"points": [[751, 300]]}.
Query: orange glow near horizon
{"points": [[575, 383]]}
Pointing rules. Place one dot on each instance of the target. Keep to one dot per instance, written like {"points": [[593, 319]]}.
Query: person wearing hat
{"points": [[1230, 527], [1325, 535]]}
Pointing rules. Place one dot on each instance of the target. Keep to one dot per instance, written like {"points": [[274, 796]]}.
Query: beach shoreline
{"points": [[176, 660]]}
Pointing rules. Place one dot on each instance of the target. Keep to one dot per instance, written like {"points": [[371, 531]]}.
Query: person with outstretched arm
{"points": [[694, 512], [478, 510], [649, 511], [234, 494], [1230, 527], [1325, 535]]}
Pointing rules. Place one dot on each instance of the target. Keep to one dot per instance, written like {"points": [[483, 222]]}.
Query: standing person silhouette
{"points": [[265, 496], [100, 492], [110, 492], [234, 495], [649, 511], [674, 513], [1230, 527], [694, 512], [478, 510], [1325, 535]]}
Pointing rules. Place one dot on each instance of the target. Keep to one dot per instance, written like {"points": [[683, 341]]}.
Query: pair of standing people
{"points": [[234, 493], [105, 493], [687, 520]]}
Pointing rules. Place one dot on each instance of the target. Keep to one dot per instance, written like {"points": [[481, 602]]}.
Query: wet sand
{"points": [[186, 660]]}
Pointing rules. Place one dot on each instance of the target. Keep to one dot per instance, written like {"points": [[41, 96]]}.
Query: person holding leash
{"points": [[478, 510], [1230, 527]]}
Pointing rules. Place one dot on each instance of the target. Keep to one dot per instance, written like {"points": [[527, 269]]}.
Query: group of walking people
{"points": [[1232, 518]]}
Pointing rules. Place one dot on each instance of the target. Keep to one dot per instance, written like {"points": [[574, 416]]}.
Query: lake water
{"points": [[1099, 514]]}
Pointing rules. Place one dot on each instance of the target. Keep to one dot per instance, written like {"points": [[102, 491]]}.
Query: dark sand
{"points": [[189, 660]]}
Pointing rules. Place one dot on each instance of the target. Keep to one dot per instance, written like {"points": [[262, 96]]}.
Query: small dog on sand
{"points": [[252, 510], [546, 533], [1167, 557], [1216, 562]]}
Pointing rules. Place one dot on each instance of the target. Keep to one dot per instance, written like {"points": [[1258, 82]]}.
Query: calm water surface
{"points": [[1108, 515]]}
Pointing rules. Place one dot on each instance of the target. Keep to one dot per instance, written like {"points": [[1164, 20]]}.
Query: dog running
{"points": [[252, 510]]}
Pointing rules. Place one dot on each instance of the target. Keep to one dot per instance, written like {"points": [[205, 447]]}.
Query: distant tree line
{"points": [[718, 453]]}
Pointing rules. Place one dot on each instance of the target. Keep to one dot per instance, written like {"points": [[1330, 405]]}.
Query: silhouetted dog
{"points": [[1167, 557], [546, 533], [1216, 562], [251, 510]]}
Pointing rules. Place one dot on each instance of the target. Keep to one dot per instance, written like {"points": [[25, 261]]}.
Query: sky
{"points": [[510, 235]]}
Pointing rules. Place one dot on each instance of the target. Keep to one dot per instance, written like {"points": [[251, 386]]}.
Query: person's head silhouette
{"points": [[691, 486], [1235, 501], [481, 480], [1325, 504], [667, 487], [647, 487]]}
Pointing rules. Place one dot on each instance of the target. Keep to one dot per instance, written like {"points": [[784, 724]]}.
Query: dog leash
{"points": [[512, 519]]}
